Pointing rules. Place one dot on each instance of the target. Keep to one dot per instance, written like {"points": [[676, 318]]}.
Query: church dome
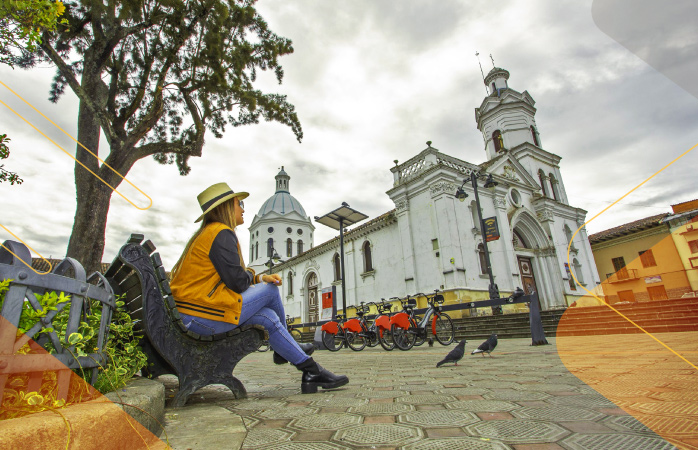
{"points": [[282, 202]]}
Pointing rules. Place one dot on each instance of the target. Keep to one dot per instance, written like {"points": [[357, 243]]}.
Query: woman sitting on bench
{"points": [[215, 292]]}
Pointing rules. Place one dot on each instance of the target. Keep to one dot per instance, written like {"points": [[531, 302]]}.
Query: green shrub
{"points": [[124, 356]]}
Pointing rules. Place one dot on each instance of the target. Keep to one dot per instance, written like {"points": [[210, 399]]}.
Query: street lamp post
{"points": [[273, 256], [338, 219], [461, 195]]}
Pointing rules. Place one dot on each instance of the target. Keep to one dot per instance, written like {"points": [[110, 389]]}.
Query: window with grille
{"points": [[289, 247], [300, 246], [647, 258]]}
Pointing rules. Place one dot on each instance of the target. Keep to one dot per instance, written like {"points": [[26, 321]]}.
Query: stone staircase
{"points": [[506, 326], [658, 316]]}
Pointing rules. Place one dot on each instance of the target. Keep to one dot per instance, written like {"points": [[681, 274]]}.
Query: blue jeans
{"points": [[261, 305]]}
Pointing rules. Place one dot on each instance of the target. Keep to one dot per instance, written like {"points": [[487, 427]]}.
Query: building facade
{"points": [[431, 240]]}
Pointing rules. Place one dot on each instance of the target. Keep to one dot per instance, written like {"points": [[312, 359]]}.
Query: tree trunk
{"points": [[93, 196]]}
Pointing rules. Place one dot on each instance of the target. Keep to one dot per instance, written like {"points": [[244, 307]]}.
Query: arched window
{"points": [[270, 247], [368, 263], [337, 268], [483, 261], [543, 184], [300, 246], [497, 140], [289, 247], [256, 250], [290, 283], [534, 134], [568, 236], [553, 186], [251, 252]]}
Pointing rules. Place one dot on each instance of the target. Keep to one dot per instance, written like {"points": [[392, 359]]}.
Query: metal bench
{"points": [[172, 349]]}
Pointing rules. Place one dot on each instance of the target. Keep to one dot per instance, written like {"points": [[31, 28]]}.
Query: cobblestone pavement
{"points": [[522, 398]]}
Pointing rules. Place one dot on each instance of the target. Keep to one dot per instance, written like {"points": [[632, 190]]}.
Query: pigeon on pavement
{"points": [[454, 355], [487, 346]]}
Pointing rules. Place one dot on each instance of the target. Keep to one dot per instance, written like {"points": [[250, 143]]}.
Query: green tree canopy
{"points": [[21, 25], [153, 76]]}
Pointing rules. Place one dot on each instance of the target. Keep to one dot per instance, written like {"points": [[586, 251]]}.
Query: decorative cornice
{"points": [[499, 201], [402, 205], [442, 187], [510, 174], [545, 215]]}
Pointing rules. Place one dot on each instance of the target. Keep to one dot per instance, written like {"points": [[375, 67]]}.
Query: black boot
{"points": [[307, 348], [314, 376]]}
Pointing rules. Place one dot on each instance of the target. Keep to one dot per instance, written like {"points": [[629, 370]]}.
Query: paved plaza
{"points": [[522, 398]]}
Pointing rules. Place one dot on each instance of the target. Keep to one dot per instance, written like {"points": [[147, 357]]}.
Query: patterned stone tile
{"points": [[286, 413], [381, 408], [515, 395], [379, 434], [464, 391], [326, 421], [482, 405], [615, 442], [426, 399], [439, 418], [307, 446], [258, 437], [586, 401], [256, 404], [666, 408], [556, 413], [489, 384], [340, 402], [460, 443], [519, 431], [626, 424]]}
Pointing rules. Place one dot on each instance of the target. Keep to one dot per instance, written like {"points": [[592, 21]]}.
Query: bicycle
{"points": [[407, 331], [382, 324], [340, 332], [296, 334]]}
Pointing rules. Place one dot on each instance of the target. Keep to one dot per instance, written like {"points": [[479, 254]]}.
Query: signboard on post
{"points": [[328, 310], [491, 229]]}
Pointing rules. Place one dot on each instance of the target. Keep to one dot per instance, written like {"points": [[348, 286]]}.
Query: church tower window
{"points": [[497, 140], [554, 187], [270, 247], [534, 134], [300, 246], [256, 250], [290, 283], [543, 184], [368, 263], [289, 247]]}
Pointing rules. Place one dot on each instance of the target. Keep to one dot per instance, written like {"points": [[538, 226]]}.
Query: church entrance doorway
{"points": [[528, 279], [312, 298]]}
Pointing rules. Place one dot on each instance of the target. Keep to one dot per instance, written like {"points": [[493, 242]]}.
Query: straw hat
{"points": [[214, 196]]}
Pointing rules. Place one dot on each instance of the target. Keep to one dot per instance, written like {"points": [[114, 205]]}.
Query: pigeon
{"points": [[454, 355], [487, 346], [431, 342]]}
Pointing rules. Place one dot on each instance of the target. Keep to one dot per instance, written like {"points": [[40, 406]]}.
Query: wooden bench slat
{"points": [[129, 282], [135, 303]]}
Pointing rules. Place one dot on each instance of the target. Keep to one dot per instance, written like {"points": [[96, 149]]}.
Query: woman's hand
{"points": [[273, 278]]}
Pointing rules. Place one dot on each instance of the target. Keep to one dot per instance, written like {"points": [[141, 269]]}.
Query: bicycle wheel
{"points": [[420, 335], [333, 342], [444, 329], [373, 336], [263, 346], [357, 341], [403, 338], [296, 335], [386, 340]]}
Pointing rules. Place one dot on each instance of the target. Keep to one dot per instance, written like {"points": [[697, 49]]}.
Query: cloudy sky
{"points": [[372, 81]]}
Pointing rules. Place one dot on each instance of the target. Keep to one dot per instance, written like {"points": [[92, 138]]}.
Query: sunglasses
{"points": [[241, 204]]}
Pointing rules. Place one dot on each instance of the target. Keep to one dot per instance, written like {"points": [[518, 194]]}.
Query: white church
{"points": [[431, 240]]}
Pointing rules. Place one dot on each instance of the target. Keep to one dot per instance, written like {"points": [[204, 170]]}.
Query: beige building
{"points": [[641, 260]]}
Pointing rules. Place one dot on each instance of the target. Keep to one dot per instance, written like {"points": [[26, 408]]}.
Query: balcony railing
{"points": [[622, 275]]}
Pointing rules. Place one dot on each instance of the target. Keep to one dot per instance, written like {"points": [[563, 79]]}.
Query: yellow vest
{"points": [[197, 288]]}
